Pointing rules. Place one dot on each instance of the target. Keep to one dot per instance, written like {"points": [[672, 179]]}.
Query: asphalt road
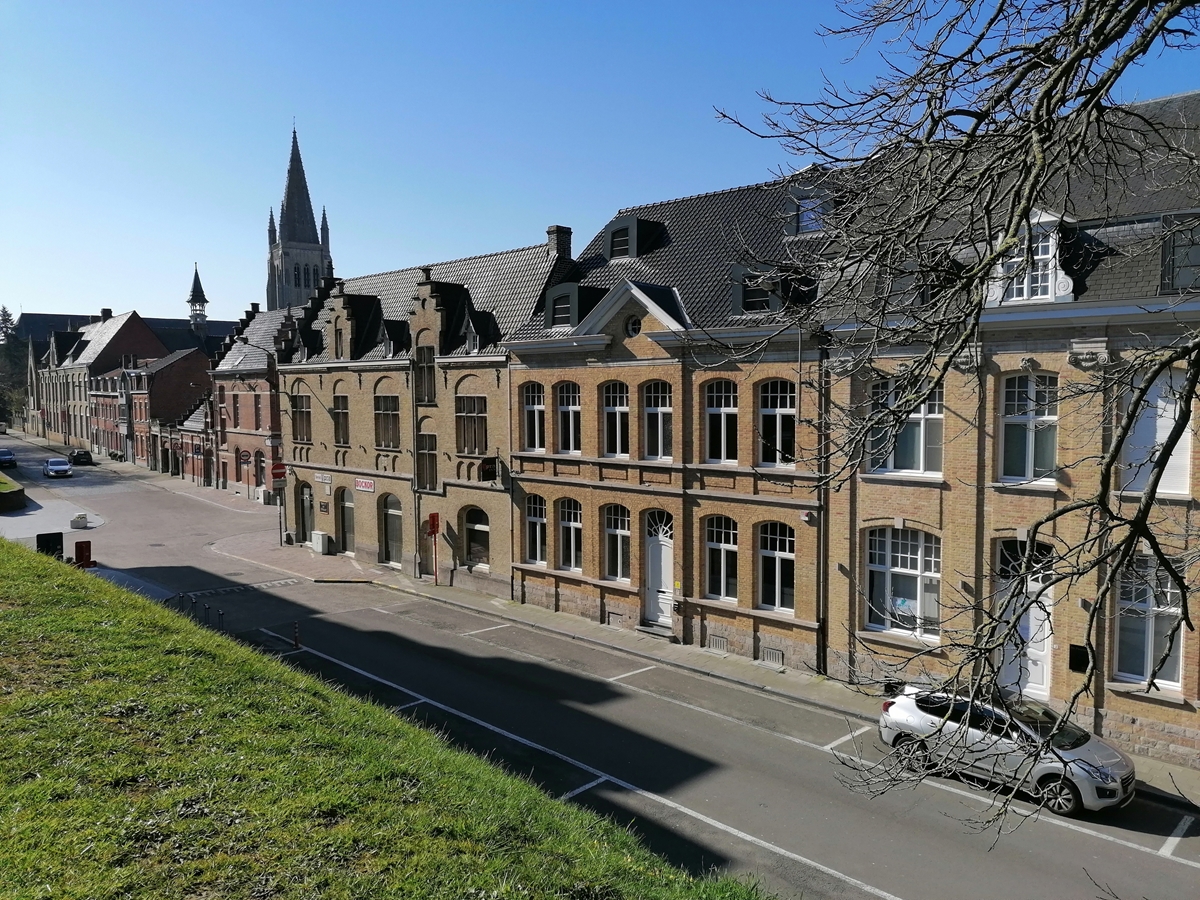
{"points": [[710, 774]]}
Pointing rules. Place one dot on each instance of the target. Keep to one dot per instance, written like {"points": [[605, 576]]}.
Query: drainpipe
{"points": [[823, 523]]}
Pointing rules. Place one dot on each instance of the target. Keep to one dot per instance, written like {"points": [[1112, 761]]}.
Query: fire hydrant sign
{"points": [[365, 484]]}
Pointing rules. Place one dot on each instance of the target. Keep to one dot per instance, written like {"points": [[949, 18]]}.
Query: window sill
{"points": [[1041, 486], [906, 640], [1137, 690], [1167, 496], [377, 449], [730, 600], [921, 478]]}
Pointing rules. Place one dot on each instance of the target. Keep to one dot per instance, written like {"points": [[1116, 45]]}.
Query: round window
{"points": [[633, 326]]}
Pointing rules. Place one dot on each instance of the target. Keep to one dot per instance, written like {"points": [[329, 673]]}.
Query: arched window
{"points": [[777, 422], [721, 546], [616, 542], [570, 414], [296, 276], [393, 530], [720, 402], [904, 580], [341, 420], [306, 281], [426, 382], [657, 403], [478, 536], [777, 566], [535, 529], [344, 501], [533, 397], [237, 465], [616, 419], [260, 469], [918, 445], [1030, 427], [570, 519]]}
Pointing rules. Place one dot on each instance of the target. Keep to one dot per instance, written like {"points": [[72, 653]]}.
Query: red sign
{"points": [[365, 484], [435, 524], [278, 470], [245, 456]]}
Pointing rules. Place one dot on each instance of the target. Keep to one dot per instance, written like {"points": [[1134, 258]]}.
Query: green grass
{"points": [[7, 484], [143, 756]]}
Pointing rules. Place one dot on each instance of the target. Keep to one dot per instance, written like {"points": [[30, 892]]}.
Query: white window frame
{"points": [[657, 397], [720, 422], [570, 521], [535, 530], [1151, 597], [776, 549], [618, 540], [1032, 281], [904, 556], [925, 427], [777, 416], [616, 419], [1162, 407], [720, 557], [533, 397], [1031, 408], [569, 401]]}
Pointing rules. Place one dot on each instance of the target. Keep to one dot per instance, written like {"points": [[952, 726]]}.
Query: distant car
{"points": [[80, 458], [1003, 742], [7, 459], [56, 468]]}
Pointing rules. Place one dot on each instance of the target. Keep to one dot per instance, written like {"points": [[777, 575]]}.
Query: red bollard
{"points": [[83, 555]]}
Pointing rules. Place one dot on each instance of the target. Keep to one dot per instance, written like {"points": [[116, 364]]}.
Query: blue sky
{"points": [[138, 138]]}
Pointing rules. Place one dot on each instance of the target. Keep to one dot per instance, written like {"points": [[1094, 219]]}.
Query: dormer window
{"points": [[1032, 281], [619, 243], [472, 341], [561, 310], [810, 214], [1181, 254], [755, 296]]}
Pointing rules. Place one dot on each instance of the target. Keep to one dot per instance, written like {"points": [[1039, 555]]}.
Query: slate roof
{"points": [[260, 346], [216, 327], [95, 337], [40, 326]]}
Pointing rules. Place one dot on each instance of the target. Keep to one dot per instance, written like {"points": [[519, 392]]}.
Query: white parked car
{"points": [[56, 468], [1003, 742]]}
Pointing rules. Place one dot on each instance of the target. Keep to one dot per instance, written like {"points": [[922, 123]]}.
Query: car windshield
{"points": [[1042, 721], [6, 453], [57, 462]]}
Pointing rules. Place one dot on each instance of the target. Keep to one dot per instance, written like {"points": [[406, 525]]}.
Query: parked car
{"points": [[80, 458], [8, 459], [56, 468], [1003, 742]]}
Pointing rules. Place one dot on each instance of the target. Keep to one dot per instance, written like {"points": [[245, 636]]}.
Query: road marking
{"points": [[586, 787], [482, 630], [658, 798], [1173, 841], [634, 672], [845, 738], [406, 705]]}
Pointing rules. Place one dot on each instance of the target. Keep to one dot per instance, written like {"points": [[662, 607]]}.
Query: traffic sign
{"points": [[278, 470], [245, 456], [279, 484]]}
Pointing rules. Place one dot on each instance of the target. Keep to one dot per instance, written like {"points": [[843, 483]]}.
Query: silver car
{"points": [[1003, 742], [56, 468]]}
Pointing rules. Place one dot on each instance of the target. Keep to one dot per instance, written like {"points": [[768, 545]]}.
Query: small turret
{"points": [[271, 228], [196, 305], [324, 231]]}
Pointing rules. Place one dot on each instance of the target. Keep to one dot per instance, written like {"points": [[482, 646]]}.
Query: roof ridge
{"points": [[444, 262], [742, 187], [1161, 99]]}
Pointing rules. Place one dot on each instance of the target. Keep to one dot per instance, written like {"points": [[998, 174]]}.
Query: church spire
{"points": [[296, 220], [271, 228], [324, 230], [196, 304]]}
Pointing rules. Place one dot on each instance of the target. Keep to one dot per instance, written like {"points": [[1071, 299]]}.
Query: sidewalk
{"points": [[1161, 781]]}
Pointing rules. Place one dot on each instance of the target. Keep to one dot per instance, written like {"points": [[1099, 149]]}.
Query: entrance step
{"points": [[662, 632]]}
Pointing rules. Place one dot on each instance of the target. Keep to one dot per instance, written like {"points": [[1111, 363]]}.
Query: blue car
{"points": [[7, 459]]}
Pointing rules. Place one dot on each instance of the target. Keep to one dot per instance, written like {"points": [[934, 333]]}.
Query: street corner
{"points": [[44, 515]]}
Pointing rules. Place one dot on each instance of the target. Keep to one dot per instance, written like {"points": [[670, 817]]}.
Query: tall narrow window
{"points": [[341, 419], [1142, 451], [616, 419], [296, 276], [393, 531], [904, 579], [306, 281], [720, 544], [1030, 435], [570, 415], [1031, 280], [657, 396], [339, 349], [427, 462], [478, 537], [777, 566], [535, 529], [1148, 611], [470, 421], [425, 382], [237, 409], [258, 412], [560, 310], [720, 400], [918, 444], [1181, 255], [619, 243], [570, 520], [777, 422], [533, 398], [387, 422], [302, 418], [616, 542]]}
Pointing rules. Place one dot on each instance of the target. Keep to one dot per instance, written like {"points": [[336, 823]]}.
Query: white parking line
{"points": [[845, 738], [406, 705], [586, 787], [678, 807], [482, 630], [1173, 841], [634, 672]]}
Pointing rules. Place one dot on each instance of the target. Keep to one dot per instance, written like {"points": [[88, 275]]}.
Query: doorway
{"points": [[304, 515], [1025, 660], [345, 520], [659, 588]]}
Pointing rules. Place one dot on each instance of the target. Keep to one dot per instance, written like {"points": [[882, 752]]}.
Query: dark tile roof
{"points": [[214, 327], [260, 335], [39, 326]]}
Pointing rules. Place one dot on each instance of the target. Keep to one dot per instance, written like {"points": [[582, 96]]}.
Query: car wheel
{"points": [[1059, 795], [913, 754]]}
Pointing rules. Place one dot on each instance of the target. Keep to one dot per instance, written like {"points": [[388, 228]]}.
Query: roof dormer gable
{"points": [[627, 237]]}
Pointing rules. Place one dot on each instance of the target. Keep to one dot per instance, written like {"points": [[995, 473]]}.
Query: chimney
{"points": [[105, 315], [558, 241]]}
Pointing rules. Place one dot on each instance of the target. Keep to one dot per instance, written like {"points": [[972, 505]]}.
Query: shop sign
{"points": [[365, 484], [323, 477]]}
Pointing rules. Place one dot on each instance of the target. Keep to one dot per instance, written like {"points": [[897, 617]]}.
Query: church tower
{"points": [[196, 306], [299, 256]]}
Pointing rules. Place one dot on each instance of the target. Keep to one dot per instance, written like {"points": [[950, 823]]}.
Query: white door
{"points": [[660, 567], [1026, 663]]}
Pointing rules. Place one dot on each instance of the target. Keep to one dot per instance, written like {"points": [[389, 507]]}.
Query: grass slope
{"points": [[142, 756]]}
